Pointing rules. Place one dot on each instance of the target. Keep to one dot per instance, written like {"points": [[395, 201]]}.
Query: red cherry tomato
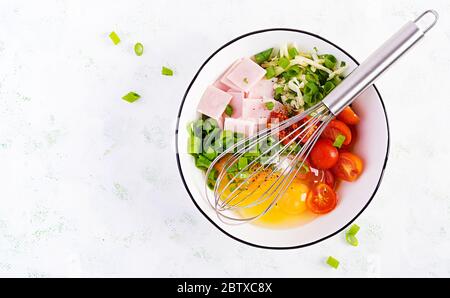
{"points": [[322, 176], [348, 167], [324, 155], [321, 199], [328, 178], [335, 128], [348, 116], [349, 147]]}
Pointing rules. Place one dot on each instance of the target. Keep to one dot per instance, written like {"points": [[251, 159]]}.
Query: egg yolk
{"points": [[289, 210]]}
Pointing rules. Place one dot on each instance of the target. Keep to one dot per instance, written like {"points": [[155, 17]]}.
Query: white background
{"points": [[89, 184]]}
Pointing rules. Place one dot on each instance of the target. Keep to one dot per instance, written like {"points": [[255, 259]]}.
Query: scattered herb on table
{"points": [[139, 49], [131, 96], [333, 262], [166, 71], [114, 37]]}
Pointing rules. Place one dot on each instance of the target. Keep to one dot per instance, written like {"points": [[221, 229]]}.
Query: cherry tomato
{"points": [[324, 155], [348, 116], [349, 147], [348, 167], [328, 178], [321, 199], [322, 176], [335, 128]]}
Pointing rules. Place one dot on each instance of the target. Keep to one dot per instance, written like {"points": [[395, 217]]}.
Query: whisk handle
{"points": [[366, 73]]}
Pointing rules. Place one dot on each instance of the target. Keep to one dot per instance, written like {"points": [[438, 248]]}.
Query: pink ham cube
{"points": [[262, 89], [246, 127], [225, 81], [246, 74], [213, 103], [219, 85], [255, 108], [236, 103], [261, 123]]}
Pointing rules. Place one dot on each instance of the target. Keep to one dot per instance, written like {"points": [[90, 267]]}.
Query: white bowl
{"points": [[372, 145]]}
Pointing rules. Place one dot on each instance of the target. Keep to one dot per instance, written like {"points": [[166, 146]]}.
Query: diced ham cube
{"points": [[246, 127], [213, 103], [255, 108], [236, 103], [225, 81], [262, 89], [246, 74], [219, 85], [261, 123]]}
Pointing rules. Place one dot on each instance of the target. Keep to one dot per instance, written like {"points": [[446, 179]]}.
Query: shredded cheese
{"points": [[302, 61]]}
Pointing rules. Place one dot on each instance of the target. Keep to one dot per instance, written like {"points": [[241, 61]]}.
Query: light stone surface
{"points": [[89, 184]]}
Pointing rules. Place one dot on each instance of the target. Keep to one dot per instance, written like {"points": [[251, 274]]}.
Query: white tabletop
{"points": [[89, 184]]}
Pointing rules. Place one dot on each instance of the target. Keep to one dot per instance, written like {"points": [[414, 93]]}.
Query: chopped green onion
{"points": [[270, 72], [283, 62], [114, 37], [202, 162], [340, 139], [131, 97], [330, 61], [197, 127], [305, 169], [294, 148], [229, 110], [350, 235], [227, 134], [343, 64], [292, 52], [328, 87], [311, 88], [322, 76], [293, 71], [227, 139], [270, 105], [213, 175], [315, 49], [194, 145], [336, 80], [166, 71], [351, 239], [263, 56], [279, 90], [312, 77], [209, 124], [232, 169], [270, 141], [354, 229], [333, 262], [210, 153], [210, 184], [242, 163], [139, 49], [252, 152]]}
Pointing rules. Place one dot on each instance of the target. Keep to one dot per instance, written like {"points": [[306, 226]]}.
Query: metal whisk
{"points": [[280, 159]]}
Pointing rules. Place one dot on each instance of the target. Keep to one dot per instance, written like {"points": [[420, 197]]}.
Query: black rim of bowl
{"points": [[181, 171]]}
